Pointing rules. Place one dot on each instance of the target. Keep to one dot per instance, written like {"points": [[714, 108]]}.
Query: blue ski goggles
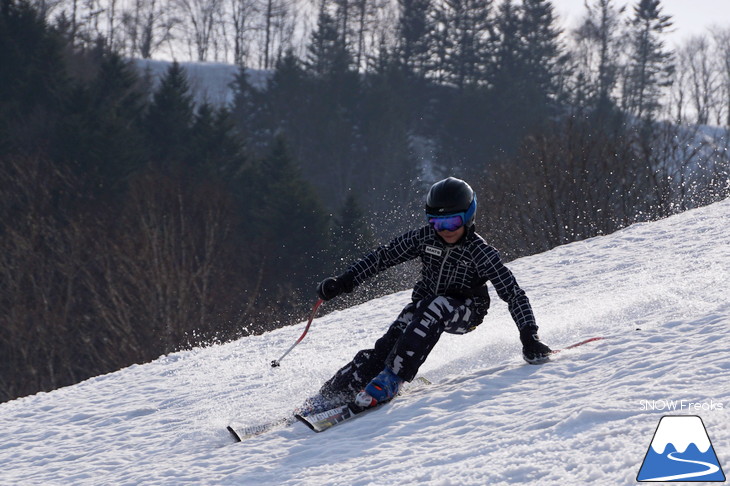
{"points": [[450, 222]]}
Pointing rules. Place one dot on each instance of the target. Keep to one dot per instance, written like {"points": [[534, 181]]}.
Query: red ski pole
{"points": [[277, 362]]}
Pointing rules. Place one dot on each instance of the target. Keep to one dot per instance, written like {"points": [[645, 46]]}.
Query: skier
{"points": [[450, 296]]}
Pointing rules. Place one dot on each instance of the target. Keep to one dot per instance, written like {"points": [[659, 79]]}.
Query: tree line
{"points": [[492, 92], [135, 222]]}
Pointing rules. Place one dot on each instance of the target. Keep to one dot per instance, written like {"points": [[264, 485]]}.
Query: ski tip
{"points": [[306, 422], [422, 380], [236, 438]]}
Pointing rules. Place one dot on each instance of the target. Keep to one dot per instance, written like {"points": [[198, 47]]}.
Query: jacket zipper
{"points": [[441, 270]]}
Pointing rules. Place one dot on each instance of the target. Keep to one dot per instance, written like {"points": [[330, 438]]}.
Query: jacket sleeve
{"points": [[401, 249], [490, 266]]}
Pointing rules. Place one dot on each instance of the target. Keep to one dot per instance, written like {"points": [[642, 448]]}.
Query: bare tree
{"points": [[701, 77], [276, 27], [721, 39], [355, 22], [199, 24], [157, 278], [147, 25], [677, 107], [242, 14], [46, 7], [364, 11], [578, 179], [41, 255], [572, 181]]}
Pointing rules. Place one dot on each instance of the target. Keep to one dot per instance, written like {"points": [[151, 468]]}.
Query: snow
{"points": [[680, 431], [209, 82], [658, 292]]}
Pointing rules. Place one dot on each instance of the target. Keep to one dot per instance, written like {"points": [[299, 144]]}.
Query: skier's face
{"points": [[452, 237]]}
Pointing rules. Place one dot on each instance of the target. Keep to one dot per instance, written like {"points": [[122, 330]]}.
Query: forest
{"points": [[135, 222]]}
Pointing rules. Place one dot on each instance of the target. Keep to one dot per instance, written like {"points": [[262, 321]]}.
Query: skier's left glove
{"points": [[331, 287], [534, 351]]}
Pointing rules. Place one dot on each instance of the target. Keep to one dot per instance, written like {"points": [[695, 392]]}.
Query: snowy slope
{"points": [[209, 82], [588, 417]]}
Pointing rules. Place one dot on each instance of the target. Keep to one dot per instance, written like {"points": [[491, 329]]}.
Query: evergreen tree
{"points": [[351, 236], [286, 223], [169, 119], [216, 149], [248, 110], [505, 68], [600, 36], [415, 32], [510, 110], [330, 140], [463, 32], [526, 74], [34, 80], [651, 66], [287, 102], [327, 51], [101, 132], [542, 54], [391, 113]]}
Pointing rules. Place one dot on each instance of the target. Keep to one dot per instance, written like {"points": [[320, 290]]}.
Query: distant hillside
{"points": [[209, 81]]}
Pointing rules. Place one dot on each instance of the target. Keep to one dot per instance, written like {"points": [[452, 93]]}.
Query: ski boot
{"points": [[381, 389]]}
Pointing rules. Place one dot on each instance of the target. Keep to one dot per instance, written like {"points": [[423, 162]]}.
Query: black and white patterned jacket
{"points": [[460, 270]]}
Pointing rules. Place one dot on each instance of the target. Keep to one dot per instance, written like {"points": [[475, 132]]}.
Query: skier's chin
{"points": [[451, 237]]}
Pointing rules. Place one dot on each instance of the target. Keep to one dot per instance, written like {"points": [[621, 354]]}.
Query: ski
{"points": [[319, 422], [322, 421], [241, 432]]}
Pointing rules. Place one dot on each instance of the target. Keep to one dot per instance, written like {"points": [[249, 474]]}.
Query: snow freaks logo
{"points": [[681, 451], [680, 405]]}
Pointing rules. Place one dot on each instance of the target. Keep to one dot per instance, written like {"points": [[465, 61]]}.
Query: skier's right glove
{"points": [[534, 351], [331, 287]]}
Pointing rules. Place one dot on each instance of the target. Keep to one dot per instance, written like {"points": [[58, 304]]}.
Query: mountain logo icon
{"points": [[680, 451]]}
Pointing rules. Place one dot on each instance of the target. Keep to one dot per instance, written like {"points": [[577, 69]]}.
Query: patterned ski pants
{"points": [[406, 344]]}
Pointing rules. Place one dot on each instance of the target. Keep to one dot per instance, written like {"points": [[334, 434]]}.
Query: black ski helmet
{"points": [[452, 196]]}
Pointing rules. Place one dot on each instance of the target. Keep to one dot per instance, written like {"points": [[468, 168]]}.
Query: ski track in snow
{"points": [[488, 418]]}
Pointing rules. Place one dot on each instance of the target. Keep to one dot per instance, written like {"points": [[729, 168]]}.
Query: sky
{"points": [[690, 17]]}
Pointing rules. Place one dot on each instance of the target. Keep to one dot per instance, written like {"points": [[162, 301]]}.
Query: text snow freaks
{"points": [[680, 405]]}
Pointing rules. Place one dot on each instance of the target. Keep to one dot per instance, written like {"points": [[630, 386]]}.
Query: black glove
{"points": [[331, 287], [534, 351]]}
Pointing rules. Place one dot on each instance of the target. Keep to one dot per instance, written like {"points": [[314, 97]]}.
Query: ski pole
{"points": [[277, 362]]}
